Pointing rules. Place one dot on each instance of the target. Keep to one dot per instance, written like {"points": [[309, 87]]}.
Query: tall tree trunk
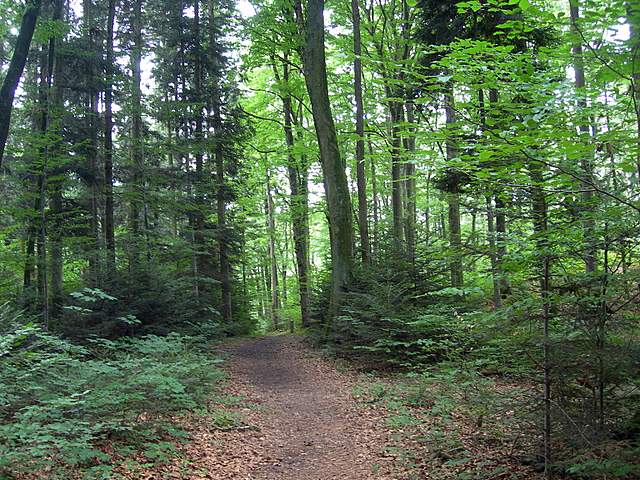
{"points": [[410, 185], [333, 167], [225, 274], [540, 227], [586, 163], [136, 131], [396, 117], [375, 200], [198, 187], [453, 196], [363, 221], [273, 261], [108, 142], [297, 175], [16, 67], [92, 153], [493, 257], [500, 213], [56, 183], [633, 17]]}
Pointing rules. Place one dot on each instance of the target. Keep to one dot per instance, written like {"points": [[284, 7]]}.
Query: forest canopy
{"points": [[413, 184]]}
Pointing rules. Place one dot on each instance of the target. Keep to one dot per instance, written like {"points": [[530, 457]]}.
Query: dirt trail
{"points": [[301, 422], [310, 428]]}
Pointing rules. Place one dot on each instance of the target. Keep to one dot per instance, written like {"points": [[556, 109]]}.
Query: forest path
{"points": [[308, 425]]}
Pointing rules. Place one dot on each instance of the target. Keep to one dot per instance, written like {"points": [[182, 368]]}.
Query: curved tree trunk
{"points": [[363, 222], [16, 67], [333, 167]]}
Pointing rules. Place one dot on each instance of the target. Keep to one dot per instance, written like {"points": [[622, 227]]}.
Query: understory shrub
{"points": [[63, 404], [390, 318]]}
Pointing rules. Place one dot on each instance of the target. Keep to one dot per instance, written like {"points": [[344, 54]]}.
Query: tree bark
{"points": [[297, 176], [396, 116], [333, 167], [56, 183], [108, 143], [491, 236], [273, 261], [16, 67], [410, 185], [453, 197], [500, 215], [92, 149], [137, 158], [633, 17], [540, 226], [363, 222], [590, 251]]}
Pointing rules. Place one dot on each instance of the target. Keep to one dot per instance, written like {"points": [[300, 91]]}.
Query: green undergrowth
{"points": [[456, 422], [75, 411], [433, 415]]}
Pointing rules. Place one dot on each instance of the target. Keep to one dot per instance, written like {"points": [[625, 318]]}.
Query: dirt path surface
{"points": [[299, 421], [310, 428]]}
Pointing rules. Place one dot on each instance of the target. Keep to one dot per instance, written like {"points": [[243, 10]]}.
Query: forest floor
{"points": [[290, 412], [298, 420]]}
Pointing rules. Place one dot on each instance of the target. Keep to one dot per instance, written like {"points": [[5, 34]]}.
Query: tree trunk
{"points": [[363, 222], [297, 175], [16, 67], [500, 215], [540, 221], [333, 167], [273, 261], [375, 200], [453, 197], [225, 265], [590, 249], [410, 185], [108, 143], [633, 18], [92, 152], [136, 132], [493, 257], [56, 183], [396, 116]]}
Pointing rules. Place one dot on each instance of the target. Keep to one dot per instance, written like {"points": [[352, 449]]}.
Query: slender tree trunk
{"points": [[273, 261], [56, 183], [499, 212], [333, 167], [297, 175], [539, 210], [590, 252], [410, 185], [16, 67], [396, 116], [363, 221], [92, 149], [198, 187], [491, 235], [136, 132], [453, 197], [225, 264], [633, 17], [46, 82], [376, 202], [108, 143], [501, 243]]}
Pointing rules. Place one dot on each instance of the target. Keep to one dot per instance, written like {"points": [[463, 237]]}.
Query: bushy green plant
{"points": [[388, 319], [61, 403]]}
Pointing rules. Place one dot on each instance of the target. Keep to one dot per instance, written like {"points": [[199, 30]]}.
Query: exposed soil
{"points": [[302, 422], [310, 426]]}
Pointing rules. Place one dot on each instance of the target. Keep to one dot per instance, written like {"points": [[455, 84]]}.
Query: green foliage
{"points": [[61, 403], [385, 320]]}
